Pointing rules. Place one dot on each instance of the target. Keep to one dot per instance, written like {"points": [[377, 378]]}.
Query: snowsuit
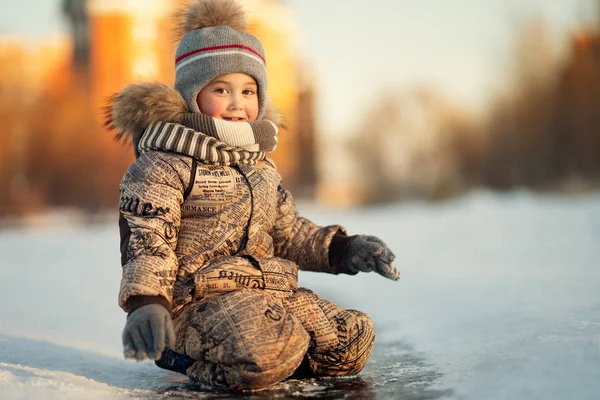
{"points": [[220, 246]]}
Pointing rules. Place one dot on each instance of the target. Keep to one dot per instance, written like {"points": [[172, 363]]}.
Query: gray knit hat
{"points": [[214, 43]]}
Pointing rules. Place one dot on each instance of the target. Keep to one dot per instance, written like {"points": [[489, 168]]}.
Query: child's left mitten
{"points": [[369, 253]]}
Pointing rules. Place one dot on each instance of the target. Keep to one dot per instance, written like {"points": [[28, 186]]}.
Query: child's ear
{"points": [[198, 100], [272, 114]]}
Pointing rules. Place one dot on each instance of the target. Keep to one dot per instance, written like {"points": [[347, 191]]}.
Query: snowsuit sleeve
{"points": [[152, 192], [299, 240]]}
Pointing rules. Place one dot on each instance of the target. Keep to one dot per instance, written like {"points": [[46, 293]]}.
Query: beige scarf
{"points": [[211, 140]]}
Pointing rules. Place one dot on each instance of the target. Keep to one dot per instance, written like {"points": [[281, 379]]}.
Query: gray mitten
{"points": [[148, 330], [369, 253]]}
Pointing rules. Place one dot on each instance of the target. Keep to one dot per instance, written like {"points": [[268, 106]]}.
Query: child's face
{"points": [[232, 97]]}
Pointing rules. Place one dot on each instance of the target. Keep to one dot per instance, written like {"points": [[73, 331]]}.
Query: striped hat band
{"points": [[220, 50]]}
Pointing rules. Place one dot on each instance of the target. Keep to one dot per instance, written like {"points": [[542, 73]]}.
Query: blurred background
{"points": [[479, 119], [384, 100]]}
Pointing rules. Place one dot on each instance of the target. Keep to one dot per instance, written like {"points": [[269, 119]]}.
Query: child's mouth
{"points": [[233, 119]]}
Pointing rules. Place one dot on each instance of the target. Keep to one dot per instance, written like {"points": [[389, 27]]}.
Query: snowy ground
{"points": [[499, 299]]}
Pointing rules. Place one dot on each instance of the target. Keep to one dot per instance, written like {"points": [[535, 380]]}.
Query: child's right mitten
{"points": [[148, 331]]}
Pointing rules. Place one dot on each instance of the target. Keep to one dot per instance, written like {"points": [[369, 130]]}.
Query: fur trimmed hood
{"points": [[138, 105]]}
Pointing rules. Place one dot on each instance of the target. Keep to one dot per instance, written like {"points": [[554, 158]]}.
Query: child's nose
{"points": [[236, 102]]}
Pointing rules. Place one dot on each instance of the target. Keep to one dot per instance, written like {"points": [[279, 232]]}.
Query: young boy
{"points": [[211, 243]]}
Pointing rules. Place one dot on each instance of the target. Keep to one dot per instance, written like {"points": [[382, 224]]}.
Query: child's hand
{"points": [[148, 330], [369, 253]]}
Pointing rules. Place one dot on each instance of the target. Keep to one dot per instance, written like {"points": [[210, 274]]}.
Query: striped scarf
{"points": [[211, 140]]}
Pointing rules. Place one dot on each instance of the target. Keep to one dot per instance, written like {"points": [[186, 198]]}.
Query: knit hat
{"points": [[214, 43]]}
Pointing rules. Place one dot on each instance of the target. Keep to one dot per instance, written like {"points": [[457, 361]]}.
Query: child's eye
{"points": [[248, 92], [221, 90]]}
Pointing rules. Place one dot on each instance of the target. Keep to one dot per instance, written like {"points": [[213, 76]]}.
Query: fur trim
{"points": [[206, 13], [138, 105], [272, 114]]}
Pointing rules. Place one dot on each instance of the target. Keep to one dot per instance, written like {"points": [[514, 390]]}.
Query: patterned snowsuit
{"points": [[220, 246]]}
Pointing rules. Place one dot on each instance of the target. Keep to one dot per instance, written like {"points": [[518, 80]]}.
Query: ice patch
{"points": [[498, 299], [21, 382], [6, 377]]}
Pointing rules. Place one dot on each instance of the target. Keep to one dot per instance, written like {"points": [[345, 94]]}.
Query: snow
{"points": [[499, 298]]}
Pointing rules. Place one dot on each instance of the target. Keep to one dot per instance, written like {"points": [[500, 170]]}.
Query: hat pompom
{"points": [[207, 13]]}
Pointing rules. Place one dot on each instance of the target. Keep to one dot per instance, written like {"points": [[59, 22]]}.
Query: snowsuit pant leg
{"points": [[341, 340], [242, 340]]}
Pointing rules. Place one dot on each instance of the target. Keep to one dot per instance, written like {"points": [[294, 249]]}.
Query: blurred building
{"points": [[56, 151], [77, 15], [25, 82], [129, 41]]}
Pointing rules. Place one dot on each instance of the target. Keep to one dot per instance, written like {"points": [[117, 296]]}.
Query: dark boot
{"points": [[174, 361]]}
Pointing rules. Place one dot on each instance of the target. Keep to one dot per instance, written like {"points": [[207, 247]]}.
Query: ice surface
{"points": [[499, 299]]}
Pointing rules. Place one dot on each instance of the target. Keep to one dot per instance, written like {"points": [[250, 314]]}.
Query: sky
{"points": [[360, 49]]}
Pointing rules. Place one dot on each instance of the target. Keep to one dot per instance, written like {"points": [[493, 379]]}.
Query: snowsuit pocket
{"points": [[221, 275]]}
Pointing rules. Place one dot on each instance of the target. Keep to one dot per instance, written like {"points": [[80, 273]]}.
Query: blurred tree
{"points": [[461, 139], [416, 144], [576, 143], [518, 147], [545, 132], [375, 173], [307, 134]]}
